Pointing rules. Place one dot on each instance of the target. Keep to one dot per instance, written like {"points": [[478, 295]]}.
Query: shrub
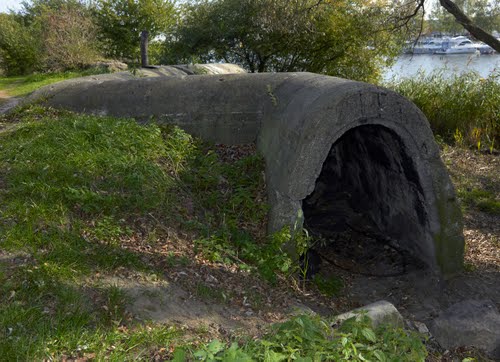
{"points": [[464, 109], [19, 46], [68, 38]]}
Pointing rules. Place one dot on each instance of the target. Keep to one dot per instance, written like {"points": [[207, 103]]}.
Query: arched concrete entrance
{"points": [[368, 204]]}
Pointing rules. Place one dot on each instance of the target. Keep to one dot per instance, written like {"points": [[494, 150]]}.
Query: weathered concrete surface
{"points": [[304, 124], [469, 323], [381, 312]]}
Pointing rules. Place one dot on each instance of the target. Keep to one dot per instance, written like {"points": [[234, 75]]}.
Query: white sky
{"points": [[6, 5]]}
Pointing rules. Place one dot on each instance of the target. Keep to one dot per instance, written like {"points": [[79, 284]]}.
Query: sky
{"points": [[5, 5]]}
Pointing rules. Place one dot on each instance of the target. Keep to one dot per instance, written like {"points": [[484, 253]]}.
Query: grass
{"points": [[74, 189], [481, 199], [17, 86], [70, 186], [464, 109]]}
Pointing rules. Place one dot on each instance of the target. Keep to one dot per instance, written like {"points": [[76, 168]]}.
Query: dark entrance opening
{"points": [[367, 212]]}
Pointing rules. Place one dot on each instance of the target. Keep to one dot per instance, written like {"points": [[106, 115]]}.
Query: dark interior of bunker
{"points": [[367, 212]]}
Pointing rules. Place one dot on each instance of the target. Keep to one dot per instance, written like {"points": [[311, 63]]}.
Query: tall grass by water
{"points": [[462, 110]]}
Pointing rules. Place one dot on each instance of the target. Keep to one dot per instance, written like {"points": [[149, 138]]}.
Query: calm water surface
{"points": [[409, 65]]}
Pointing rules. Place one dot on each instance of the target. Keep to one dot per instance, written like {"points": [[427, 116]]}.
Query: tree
{"points": [[469, 25], [442, 21], [417, 7], [342, 38], [19, 46], [48, 35], [69, 38], [121, 22]]}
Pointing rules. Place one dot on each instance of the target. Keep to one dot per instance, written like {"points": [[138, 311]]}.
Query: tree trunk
{"points": [[467, 23], [144, 49]]}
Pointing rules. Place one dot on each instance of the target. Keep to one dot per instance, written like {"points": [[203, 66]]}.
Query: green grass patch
{"points": [[23, 85], [463, 110], [481, 199], [73, 188], [330, 286]]}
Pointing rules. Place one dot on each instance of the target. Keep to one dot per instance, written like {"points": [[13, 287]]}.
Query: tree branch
{"points": [[467, 23]]}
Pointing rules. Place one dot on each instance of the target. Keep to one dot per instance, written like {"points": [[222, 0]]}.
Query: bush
{"points": [[48, 38], [19, 46], [68, 38], [464, 109]]}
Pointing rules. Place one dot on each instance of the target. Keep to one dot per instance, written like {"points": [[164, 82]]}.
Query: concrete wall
{"points": [[295, 118]]}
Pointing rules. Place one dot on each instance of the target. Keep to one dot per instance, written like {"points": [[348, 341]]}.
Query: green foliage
{"points": [[307, 338], [338, 38], [484, 13], [121, 22], [19, 46], [329, 286], [229, 197], [482, 199], [48, 35], [68, 38], [464, 109]]}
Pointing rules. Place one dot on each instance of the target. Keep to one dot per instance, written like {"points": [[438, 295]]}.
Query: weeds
{"points": [[482, 199], [464, 110], [309, 338]]}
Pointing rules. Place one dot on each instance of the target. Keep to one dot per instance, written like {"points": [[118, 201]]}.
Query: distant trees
{"points": [[341, 37], [121, 22], [19, 46], [346, 38], [484, 13], [47, 35]]}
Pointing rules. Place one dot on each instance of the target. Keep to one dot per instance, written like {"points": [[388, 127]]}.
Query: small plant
{"points": [[310, 338]]}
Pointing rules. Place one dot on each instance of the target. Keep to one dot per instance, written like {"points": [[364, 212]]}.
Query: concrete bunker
{"points": [[372, 148]]}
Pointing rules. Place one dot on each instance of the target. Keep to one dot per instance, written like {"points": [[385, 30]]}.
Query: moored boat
{"points": [[457, 45]]}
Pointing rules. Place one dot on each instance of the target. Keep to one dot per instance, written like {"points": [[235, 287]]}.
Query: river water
{"points": [[409, 65]]}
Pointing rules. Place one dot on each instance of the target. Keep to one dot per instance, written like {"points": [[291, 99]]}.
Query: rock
{"points": [[421, 327], [111, 65], [381, 312], [469, 323], [300, 309]]}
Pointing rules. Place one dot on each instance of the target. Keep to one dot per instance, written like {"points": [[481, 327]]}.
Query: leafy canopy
{"points": [[342, 38], [121, 22]]}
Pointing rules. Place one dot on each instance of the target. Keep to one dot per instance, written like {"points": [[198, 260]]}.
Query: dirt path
{"points": [[7, 102]]}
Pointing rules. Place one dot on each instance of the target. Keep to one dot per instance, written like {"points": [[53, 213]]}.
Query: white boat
{"points": [[426, 46], [484, 48], [457, 45]]}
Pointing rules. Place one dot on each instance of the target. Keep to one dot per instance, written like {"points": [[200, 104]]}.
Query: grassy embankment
{"points": [[84, 197]]}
